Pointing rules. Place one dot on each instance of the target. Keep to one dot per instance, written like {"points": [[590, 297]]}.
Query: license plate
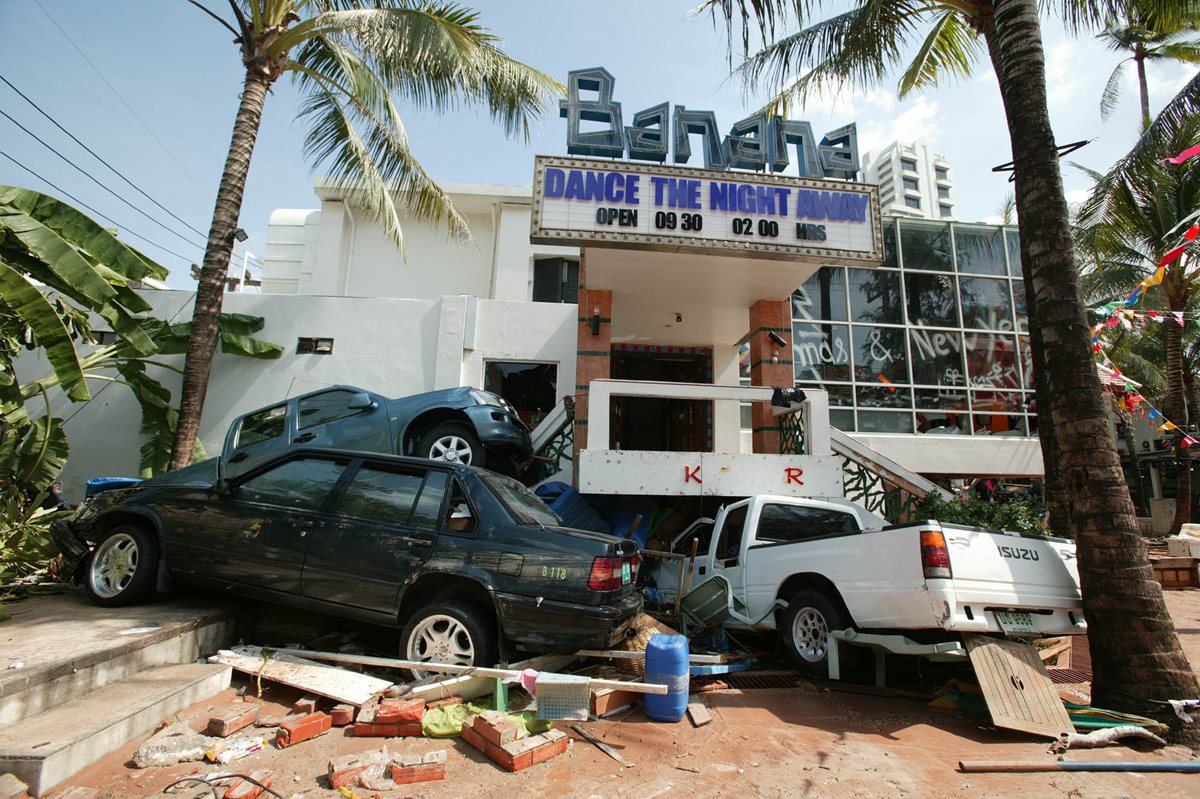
{"points": [[626, 574], [1016, 623]]}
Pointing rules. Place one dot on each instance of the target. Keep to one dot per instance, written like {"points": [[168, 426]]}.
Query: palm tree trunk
{"points": [[1139, 58], [1058, 509], [1179, 414], [202, 341], [1136, 658]]}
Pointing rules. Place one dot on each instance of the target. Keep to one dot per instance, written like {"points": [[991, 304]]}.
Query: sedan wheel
{"points": [[442, 639], [122, 569], [452, 632]]}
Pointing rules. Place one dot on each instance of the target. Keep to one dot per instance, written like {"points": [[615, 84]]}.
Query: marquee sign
{"points": [[678, 209]]}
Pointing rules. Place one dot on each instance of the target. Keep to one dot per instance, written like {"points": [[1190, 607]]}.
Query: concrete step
{"points": [[56, 648], [47, 748]]}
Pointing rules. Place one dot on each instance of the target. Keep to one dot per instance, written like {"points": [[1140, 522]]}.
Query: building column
{"points": [[593, 351], [770, 365]]}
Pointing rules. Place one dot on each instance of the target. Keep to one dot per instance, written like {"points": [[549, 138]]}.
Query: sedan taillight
{"points": [[609, 574]]}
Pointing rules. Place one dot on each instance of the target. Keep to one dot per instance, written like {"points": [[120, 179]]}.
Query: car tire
{"points": [[450, 632], [804, 629], [453, 442], [123, 568]]}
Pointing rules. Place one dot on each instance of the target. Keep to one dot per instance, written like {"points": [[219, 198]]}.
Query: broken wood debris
{"points": [[285, 667], [1014, 766], [602, 746]]}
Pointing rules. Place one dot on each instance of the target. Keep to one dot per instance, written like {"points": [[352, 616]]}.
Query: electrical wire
{"points": [[103, 216], [96, 155], [90, 177], [118, 96]]}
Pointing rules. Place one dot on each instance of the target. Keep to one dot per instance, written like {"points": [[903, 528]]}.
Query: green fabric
{"points": [[447, 722]]}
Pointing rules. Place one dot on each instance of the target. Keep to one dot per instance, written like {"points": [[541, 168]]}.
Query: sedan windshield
{"points": [[525, 505]]}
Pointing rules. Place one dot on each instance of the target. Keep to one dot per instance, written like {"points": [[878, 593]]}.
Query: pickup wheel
{"points": [[805, 626], [454, 442], [450, 632], [123, 568]]}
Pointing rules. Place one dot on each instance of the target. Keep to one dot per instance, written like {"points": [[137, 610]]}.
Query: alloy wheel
{"points": [[810, 634], [114, 565]]}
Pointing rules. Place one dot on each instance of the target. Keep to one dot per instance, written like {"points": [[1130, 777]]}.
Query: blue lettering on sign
{"points": [[746, 198], [832, 205], [578, 184]]}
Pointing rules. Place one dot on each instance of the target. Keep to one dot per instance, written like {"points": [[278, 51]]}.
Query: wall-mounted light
{"points": [[777, 339], [238, 234], [594, 322]]}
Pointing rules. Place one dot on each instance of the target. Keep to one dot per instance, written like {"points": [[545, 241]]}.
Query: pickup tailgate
{"points": [[1008, 582]]}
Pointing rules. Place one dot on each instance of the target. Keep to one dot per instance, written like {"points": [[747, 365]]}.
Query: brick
{"points": [[78, 793], [276, 721], [426, 772], [244, 789], [367, 729], [12, 788], [449, 701], [496, 727], [302, 729], [230, 722], [342, 715], [395, 711], [344, 772], [305, 705], [555, 744]]}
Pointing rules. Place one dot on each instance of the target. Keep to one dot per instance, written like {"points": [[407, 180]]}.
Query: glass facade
{"points": [[931, 342]]}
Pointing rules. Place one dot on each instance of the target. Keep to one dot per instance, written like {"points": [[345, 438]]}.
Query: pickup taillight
{"points": [[935, 557], [610, 574]]}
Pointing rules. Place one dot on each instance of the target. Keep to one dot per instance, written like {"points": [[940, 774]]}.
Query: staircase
{"points": [[79, 681]]}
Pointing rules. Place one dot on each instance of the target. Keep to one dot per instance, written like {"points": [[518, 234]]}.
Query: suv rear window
{"points": [[261, 426]]}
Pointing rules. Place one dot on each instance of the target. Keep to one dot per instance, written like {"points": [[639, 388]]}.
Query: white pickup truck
{"points": [[839, 566]]}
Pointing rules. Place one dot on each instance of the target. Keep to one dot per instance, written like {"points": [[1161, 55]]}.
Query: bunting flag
{"points": [[1183, 156], [1166, 259], [1192, 232]]}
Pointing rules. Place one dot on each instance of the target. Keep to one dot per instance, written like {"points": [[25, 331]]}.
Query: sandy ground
{"points": [[815, 740]]}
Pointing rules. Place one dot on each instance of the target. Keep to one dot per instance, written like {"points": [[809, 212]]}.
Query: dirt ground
{"points": [[817, 739]]}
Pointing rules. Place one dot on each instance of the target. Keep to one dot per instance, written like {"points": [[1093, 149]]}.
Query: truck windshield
{"points": [[520, 501]]}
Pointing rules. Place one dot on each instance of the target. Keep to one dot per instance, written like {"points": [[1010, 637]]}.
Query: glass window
{"points": [[942, 172], [842, 419], [1013, 242], [932, 300], [525, 505], [261, 426], [325, 407], [531, 388], [821, 352], [702, 533], [979, 252], [997, 412], [945, 211], [943, 193], [912, 202], [937, 358], [786, 523], [730, 542], [823, 296], [300, 484], [555, 280], [381, 496], [912, 183], [992, 360], [941, 424], [908, 165], [875, 296], [885, 422], [1026, 363], [839, 393], [925, 246], [944, 398], [985, 303], [890, 260], [460, 517], [879, 355], [884, 396]]}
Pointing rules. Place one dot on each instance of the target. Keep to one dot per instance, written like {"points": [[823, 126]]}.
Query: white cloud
{"points": [[1066, 73], [1077, 196], [918, 120]]}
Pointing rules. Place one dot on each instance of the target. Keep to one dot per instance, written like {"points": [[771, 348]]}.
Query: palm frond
{"points": [[1112, 92], [951, 48]]}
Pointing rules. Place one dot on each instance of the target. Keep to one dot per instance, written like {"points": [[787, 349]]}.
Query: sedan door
{"points": [[257, 533], [383, 527]]}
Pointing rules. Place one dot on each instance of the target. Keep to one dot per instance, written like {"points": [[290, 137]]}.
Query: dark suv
{"points": [[461, 559]]}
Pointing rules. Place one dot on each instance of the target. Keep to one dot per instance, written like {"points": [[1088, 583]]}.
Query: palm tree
{"points": [[1132, 218], [1147, 39], [349, 59], [1136, 657]]}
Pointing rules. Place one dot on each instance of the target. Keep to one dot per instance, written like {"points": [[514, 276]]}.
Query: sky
{"points": [[151, 86]]}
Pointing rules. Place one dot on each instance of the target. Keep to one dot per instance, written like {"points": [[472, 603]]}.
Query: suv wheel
{"points": [[123, 567], [454, 442], [450, 632]]}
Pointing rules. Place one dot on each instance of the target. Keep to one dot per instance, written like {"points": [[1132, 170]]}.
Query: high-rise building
{"points": [[913, 180]]}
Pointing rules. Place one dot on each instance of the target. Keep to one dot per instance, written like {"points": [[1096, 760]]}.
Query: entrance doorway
{"points": [[660, 424]]}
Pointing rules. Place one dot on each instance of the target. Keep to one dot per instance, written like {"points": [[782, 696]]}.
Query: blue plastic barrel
{"points": [[98, 485], [667, 663]]}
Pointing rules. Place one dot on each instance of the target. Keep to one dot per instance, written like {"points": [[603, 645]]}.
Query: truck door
{"points": [[729, 548], [254, 438]]}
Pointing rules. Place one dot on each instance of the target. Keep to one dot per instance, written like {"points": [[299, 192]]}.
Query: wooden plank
{"points": [[698, 713], [641, 655], [1016, 687], [329, 681], [466, 686], [603, 747]]}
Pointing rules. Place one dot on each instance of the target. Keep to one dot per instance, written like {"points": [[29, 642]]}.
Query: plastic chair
{"points": [[712, 604]]}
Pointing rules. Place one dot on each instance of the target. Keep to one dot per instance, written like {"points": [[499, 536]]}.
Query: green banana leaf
{"points": [[37, 311], [43, 454]]}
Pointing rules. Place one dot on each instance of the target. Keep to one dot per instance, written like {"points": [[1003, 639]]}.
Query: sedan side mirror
{"points": [[361, 401]]}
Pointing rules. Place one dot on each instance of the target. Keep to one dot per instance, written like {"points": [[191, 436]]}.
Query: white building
{"points": [[914, 181]]}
